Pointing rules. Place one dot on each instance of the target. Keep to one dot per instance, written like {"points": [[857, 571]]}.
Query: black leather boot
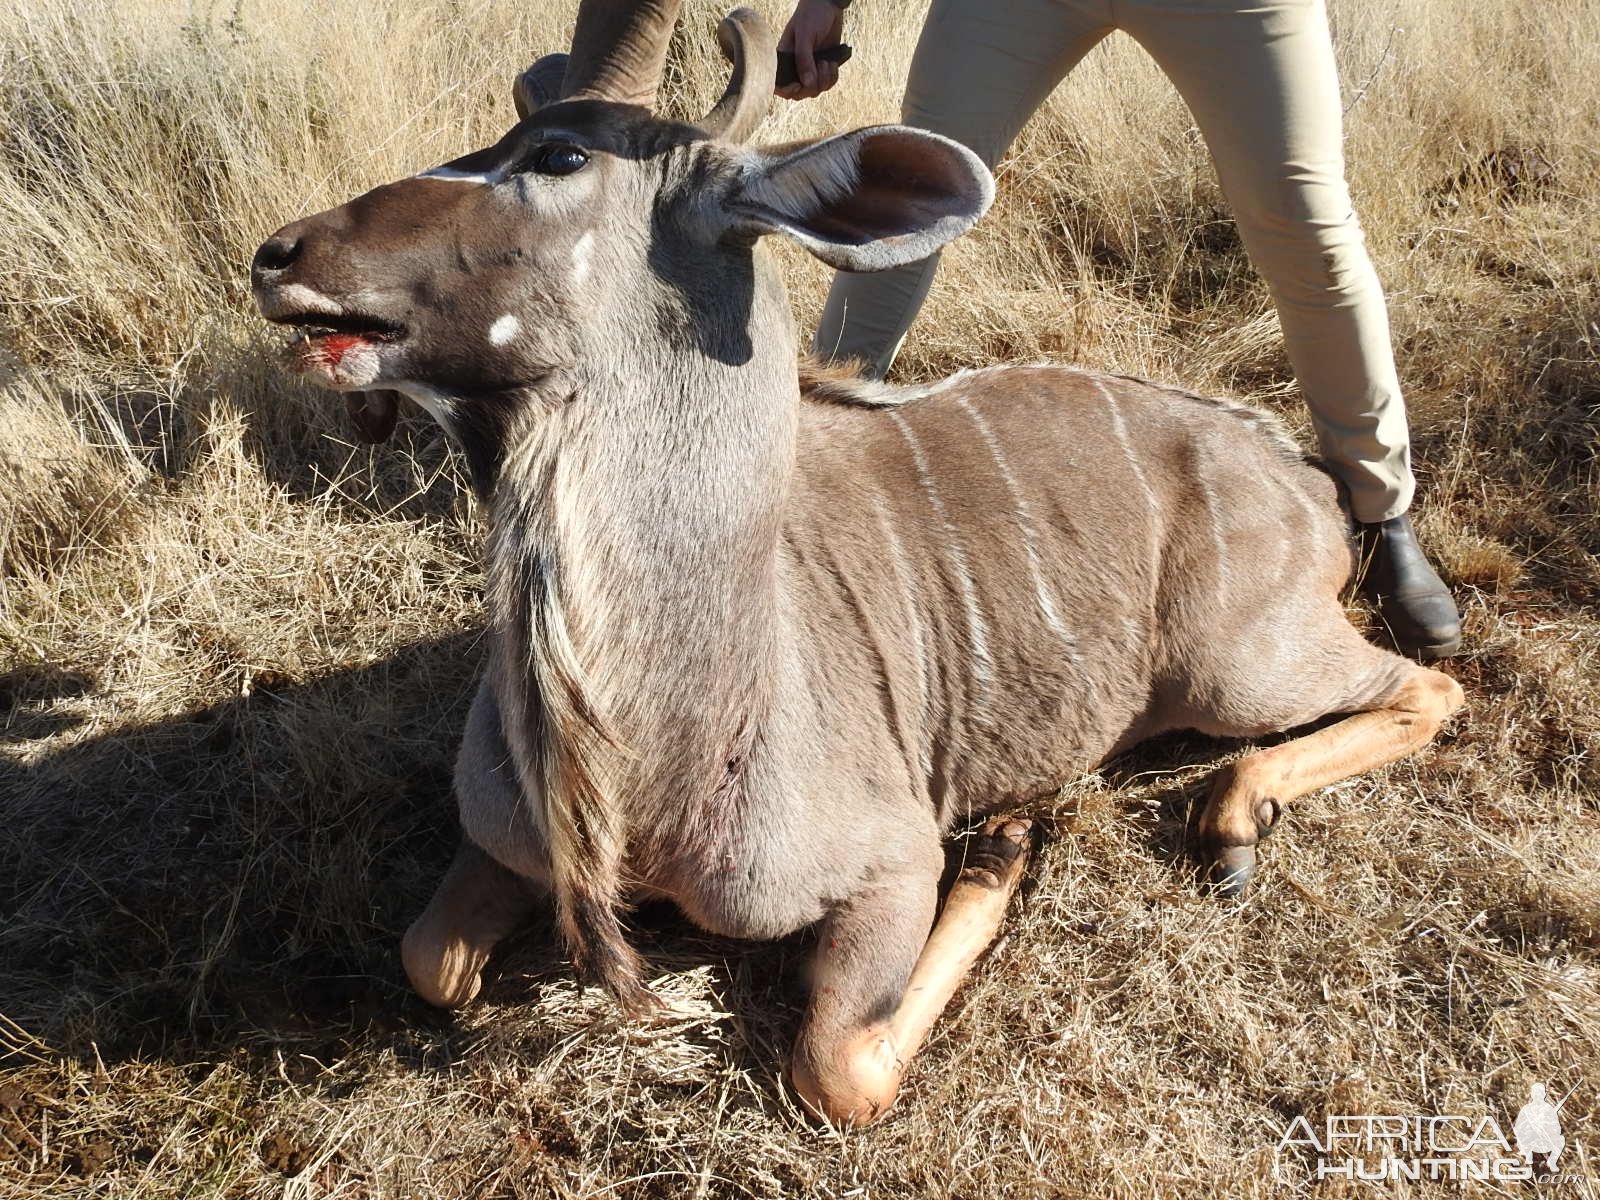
{"points": [[1411, 598]]}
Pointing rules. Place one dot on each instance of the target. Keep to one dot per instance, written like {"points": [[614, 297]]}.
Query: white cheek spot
{"points": [[580, 257], [503, 330]]}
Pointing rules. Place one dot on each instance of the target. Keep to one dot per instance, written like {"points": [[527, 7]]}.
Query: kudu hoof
{"points": [[1232, 870], [996, 854], [1233, 867]]}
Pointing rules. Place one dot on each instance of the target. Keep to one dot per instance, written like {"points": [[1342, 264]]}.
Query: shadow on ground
{"points": [[236, 879]]}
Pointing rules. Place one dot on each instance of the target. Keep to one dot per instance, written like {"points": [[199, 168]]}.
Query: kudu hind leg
{"points": [[856, 1045], [1248, 796]]}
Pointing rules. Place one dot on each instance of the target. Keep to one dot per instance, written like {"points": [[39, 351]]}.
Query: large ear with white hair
{"points": [[865, 201]]}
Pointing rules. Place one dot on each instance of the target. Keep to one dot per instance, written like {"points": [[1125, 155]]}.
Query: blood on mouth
{"points": [[334, 346]]}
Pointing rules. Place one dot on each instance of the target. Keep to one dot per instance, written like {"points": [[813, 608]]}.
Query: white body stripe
{"points": [[1286, 562], [908, 593], [1312, 515], [1030, 532], [983, 664], [1137, 637], [1215, 518], [1119, 427]]}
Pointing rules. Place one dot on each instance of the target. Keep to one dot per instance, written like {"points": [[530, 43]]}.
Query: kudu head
{"points": [[595, 236]]}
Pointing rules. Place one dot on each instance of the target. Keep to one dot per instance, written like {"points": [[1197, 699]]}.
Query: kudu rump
{"points": [[760, 635]]}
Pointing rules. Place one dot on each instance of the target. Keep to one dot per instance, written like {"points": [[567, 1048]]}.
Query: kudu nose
{"points": [[276, 254]]}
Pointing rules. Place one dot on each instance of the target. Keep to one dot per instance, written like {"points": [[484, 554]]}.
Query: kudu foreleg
{"points": [[477, 905], [850, 1060], [1248, 796]]}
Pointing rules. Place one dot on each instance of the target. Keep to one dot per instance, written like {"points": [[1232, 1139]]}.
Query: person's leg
{"points": [[1260, 78], [980, 70]]}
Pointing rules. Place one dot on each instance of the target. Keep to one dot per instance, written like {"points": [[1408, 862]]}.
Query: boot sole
{"points": [[1433, 651]]}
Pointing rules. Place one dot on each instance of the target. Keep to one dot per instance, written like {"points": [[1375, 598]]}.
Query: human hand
{"points": [[815, 25]]}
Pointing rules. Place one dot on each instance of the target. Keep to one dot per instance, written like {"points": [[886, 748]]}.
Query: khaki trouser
{"points": [[1259, 77]]}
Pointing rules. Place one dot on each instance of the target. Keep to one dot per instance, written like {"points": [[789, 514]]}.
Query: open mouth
{"points": [[315, 326], [341, 350]]}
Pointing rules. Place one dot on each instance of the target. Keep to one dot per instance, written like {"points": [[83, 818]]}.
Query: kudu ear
{"points": [[868, 200], [539, 85]]}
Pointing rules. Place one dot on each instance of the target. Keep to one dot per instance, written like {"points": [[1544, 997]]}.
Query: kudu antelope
{"points": [[760, 636]]}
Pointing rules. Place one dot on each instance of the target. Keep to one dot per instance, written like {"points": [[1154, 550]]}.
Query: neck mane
{"points": [[634, 587]]}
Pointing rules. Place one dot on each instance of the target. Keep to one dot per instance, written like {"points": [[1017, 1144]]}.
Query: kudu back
{"points": [[761, 636]]}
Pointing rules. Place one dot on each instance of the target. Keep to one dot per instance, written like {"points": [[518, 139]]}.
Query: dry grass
{"points": [[235, 651]]}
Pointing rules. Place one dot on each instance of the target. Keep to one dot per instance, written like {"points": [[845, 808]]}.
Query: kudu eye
{"points": [[559, 158]]}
